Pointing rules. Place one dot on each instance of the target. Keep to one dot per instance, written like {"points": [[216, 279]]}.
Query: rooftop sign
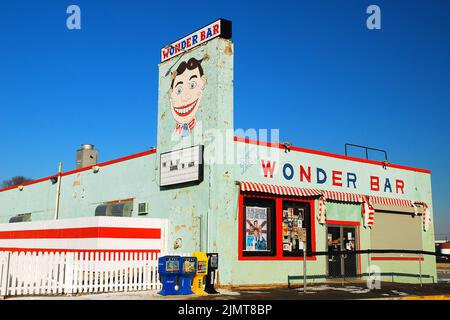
{"points": [[218, 28]]}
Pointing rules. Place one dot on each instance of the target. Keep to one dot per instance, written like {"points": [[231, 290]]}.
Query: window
{"points": [[143, 208], [273, 228], [259, 227], [295, 223]]}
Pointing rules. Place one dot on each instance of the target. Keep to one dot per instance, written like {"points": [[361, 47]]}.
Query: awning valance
{"points": [[391, 201], [368, 211], [279, 190], [343, 196]]}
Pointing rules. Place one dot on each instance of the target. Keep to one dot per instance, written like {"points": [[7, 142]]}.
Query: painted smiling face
{"points": [[186, 92]]}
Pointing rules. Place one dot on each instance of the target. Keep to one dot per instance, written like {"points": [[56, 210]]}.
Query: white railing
{"points": [[47, 273]]}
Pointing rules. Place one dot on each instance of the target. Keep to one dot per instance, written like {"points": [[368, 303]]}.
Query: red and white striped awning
{"points": [[343, 196], [300, 192], [277, 189], [328, 195], [391, 201]]}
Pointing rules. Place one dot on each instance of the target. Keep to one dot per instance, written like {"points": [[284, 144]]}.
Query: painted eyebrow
{"points": [[179, 82], [194, 76]]}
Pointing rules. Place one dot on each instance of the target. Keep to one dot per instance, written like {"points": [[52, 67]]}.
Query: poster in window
{"points": [[293, 228], [256, 226]]}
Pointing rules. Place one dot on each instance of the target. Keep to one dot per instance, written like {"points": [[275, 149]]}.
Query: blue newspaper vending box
{"points": [[169, 269], [188, 270]]}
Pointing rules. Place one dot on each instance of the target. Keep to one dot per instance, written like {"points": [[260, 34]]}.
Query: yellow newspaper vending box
{"points": [[202, 270]]}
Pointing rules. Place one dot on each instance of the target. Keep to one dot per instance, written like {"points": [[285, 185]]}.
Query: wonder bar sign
{"points": [[327, 176], [218, 28]]}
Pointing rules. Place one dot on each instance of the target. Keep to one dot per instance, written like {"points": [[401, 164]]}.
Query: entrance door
{"points": [[349, 244], [341, 238]]}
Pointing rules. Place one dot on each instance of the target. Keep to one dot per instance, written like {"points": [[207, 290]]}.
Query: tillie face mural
{"points": [[185, 95]]}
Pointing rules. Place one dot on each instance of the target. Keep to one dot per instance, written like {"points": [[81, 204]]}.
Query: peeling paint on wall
{"points": [[179, 227], [228, 50]]}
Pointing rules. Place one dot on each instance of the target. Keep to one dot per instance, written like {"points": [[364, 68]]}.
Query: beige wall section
{"points": [[396, 230]]}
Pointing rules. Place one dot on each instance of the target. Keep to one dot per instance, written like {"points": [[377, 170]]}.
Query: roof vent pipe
{"points": [[86, 156], [87, 146]]}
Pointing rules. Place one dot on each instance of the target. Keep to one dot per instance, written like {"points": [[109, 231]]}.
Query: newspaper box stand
{"points": [[213, 265], [188, 270], [202, 270], [168, 269]]}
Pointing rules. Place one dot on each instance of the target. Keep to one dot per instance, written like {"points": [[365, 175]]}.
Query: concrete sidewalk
{"points": [[333, 291]]}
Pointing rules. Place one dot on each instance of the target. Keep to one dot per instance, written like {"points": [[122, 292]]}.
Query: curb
{"points": [[435, 297]]}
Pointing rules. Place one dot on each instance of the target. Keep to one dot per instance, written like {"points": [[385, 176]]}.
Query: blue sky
{"points": [[310, 68]]}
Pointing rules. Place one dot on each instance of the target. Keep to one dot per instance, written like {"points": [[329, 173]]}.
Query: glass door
{"points": [[334, 244], [349, 244], [340, 238]]}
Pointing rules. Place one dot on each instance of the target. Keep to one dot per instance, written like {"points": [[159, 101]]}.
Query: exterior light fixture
{"points": [[286, 146], [96, 169], [54, 179], [20, 187]]}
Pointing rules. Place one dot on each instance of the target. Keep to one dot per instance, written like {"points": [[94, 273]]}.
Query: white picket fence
{"points": [[47, 273]]}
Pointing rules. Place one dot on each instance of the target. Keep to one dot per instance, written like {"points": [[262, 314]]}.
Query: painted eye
{"points": [[179, 89], [192, 85]]}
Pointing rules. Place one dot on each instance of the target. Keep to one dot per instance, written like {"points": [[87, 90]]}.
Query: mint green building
{"points": [[257, 204]]}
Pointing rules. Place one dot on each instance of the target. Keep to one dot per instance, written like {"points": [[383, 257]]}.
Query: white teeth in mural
{"points": [[185, 110]]}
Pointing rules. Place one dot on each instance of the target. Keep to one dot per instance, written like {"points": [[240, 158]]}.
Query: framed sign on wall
{"points": [[181, 166]]}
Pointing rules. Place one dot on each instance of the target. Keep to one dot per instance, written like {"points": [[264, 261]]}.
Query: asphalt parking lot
{"points": [[348, 290], [333, 291]]}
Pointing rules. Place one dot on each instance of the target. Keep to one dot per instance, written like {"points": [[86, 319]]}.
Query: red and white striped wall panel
{"points": [[85, 234]]}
